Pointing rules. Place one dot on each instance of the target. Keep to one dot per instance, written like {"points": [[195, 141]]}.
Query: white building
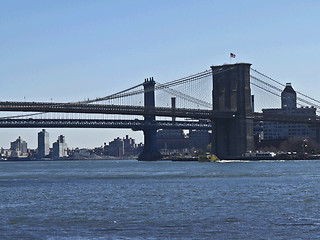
{"points": [[19, 148], [59, 148]]}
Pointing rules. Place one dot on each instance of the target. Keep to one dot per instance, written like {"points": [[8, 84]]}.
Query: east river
{"points": [[126, 199]]}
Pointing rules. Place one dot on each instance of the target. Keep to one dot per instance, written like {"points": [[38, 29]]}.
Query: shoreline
{"points": [[173, 159]]}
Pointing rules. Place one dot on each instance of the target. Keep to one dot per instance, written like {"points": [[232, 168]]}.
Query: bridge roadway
{"points": [[140, 110], [112, 109], [291, 118], [99, 123]]}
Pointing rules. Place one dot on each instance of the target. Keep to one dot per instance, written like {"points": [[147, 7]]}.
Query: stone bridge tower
{"points": [[150, 150], [231, 92]]}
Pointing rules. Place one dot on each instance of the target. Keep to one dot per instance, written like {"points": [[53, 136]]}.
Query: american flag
{"points": [[232, 55]]}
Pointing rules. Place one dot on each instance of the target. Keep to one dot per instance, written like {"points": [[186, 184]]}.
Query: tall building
{"points": [[43, 144], [19, 147], [129, 146], [284, 130], [59, 148], [288, 98], [116, 147]]}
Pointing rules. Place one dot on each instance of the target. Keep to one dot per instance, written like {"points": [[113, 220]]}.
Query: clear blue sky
{"points": [[71, 50]]}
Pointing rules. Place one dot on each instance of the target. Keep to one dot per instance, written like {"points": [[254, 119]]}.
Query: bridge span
{"points": [[113, 109], [99, 123], [45, 107], [230, 116]]}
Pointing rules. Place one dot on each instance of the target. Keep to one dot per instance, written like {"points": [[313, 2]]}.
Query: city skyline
{"points": [[59, 150], [53, 139], [65, 51]]}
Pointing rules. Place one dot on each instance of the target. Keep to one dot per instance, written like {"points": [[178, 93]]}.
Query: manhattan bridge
{"points": [[218, 99]]}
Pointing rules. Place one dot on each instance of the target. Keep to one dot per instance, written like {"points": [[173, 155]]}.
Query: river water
{"points": [[127, 199]]}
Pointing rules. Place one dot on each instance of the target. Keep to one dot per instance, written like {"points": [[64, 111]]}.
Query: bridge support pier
{"points": [[231, 92], [150, 150]]}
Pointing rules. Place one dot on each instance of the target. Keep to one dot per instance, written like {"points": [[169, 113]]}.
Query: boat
{"points": [[208, 158]]}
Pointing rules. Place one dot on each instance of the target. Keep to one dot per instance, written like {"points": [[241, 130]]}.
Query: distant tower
{"points": [[43, 144], [288, 98], [59, 148]]}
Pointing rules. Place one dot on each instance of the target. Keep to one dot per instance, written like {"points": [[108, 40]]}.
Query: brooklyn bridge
{"points": [[227, 99]]}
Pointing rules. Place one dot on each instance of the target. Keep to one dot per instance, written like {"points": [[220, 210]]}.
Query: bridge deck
{"points": [[140, 110], [112, 109], [292, 118], [98, 123]]}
